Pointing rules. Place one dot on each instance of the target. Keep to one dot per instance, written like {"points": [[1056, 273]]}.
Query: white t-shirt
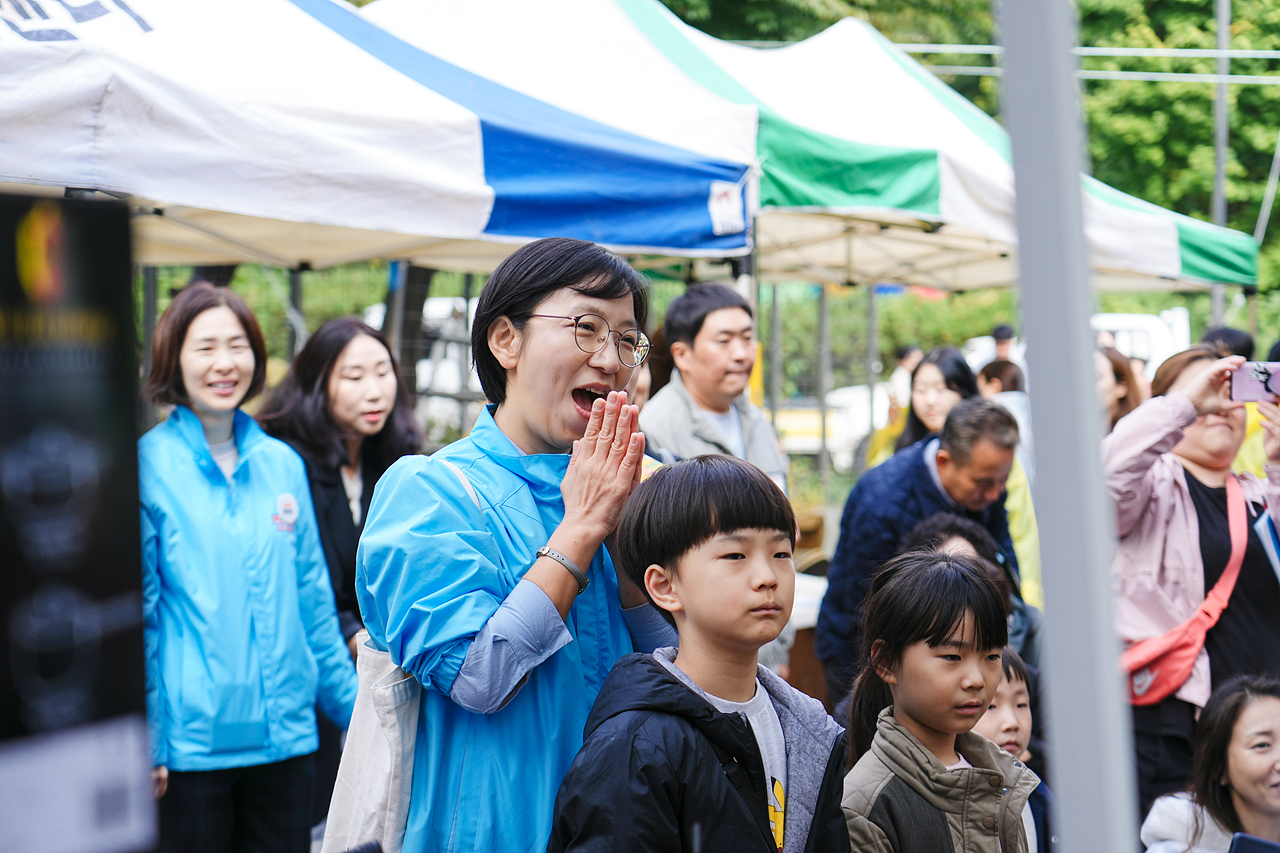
{"points": [[226, 455], [763, 719], [730, 426], [353, 485]]}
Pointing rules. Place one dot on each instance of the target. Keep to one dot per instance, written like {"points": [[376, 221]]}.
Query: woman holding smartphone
{"points": [[1166, 466]]}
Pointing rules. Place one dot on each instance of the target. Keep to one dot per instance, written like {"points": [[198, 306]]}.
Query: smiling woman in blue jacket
{"points": [[241, 633], [482, 569]]}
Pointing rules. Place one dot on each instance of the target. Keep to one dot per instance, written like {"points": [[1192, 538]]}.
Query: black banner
{"points": [[72, 681]]}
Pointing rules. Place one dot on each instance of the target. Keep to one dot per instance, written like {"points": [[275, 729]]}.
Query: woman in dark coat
{"points": [[343, 407]]}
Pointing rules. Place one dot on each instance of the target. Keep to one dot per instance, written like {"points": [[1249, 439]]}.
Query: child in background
{"points": [[1007, 724], [921, 781], [701, 748]]}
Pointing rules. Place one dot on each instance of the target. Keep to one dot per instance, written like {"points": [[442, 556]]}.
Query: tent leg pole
{"points": [[395, 304], [824, 387], [464, 356], [873, 350], [775, 356], [295, 299], [1093, 774], [1222, 11], [150, 298]]}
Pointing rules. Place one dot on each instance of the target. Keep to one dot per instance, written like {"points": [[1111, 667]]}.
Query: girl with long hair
{"points": [[940, 381], [343, 408], [930, 665]]}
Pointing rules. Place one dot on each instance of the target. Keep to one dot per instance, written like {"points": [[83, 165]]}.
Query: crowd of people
{"points": [[582, 608]]}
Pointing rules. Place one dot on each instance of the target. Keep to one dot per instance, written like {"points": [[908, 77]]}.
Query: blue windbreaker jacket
{"points": [[240, 628], [432, 569]]}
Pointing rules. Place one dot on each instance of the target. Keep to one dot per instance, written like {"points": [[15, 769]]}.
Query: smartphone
{"points": [[1241, 843], [1256, 380]]}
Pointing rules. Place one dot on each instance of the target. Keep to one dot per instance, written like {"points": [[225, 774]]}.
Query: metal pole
{"points": [[150, 297], [775, 356], [1222, 9], [464, 356], [1268, 198], [295, 299], [873, 350], [824, 387], [1093, 772], [395, 304]]}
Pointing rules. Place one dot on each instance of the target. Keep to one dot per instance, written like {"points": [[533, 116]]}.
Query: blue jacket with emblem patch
{"points": [[240, 629], [434, 566]]}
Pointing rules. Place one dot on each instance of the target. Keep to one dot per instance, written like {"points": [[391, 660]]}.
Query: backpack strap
{"points": [[466, 484]]}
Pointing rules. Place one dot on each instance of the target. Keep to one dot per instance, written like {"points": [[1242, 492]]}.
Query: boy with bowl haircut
{"points": [[700, 747], [1007, 723]]}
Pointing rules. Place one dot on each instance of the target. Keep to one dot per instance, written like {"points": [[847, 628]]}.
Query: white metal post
{"points": [[1222, 10], [1090, 731]]}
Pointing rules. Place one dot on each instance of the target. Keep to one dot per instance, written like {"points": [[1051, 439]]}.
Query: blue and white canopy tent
{"points": [[872, 169], [296, 132]]}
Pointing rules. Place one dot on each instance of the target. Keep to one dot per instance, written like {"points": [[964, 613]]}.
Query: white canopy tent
{"points": [[295, 132], [872, 169]]}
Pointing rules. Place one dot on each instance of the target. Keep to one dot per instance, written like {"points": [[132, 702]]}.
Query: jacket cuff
{"points": [[1182, 409], [521, 635]]}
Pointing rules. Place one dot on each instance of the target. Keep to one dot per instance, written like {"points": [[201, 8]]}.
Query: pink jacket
{"points": [[1158, 574]]}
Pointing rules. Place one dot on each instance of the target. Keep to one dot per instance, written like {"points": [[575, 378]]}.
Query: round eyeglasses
{"points": [[591, 331]]}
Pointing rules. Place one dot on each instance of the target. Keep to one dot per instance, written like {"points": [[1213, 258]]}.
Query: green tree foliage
{"points": [[1153, 140], [773, 20]]}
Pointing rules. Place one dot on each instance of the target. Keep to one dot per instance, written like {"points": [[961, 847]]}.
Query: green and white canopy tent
{"points": [[870, 168]]}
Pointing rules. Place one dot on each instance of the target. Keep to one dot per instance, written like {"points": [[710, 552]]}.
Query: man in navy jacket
{"points": [[962, 470]]}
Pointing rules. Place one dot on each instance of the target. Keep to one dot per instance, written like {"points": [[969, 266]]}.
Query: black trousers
{"points": [[328, 757], [265, 808], [1163, 738]]}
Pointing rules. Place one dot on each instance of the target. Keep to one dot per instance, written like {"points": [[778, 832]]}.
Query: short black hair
{"points": [[688, 311], [532, 273], [1230, 341], [934, 532], [682, 505], [1003, 332], [1015, 668], [973, 420]]}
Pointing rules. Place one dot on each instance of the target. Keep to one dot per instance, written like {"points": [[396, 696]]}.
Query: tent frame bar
{"points": [[1135, 52], [178, 219]]}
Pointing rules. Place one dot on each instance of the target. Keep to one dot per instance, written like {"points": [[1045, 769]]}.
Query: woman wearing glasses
{"points": [[483, 570]]}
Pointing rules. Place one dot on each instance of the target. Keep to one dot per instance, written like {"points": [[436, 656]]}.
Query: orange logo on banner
{"points": [[39, 244]]}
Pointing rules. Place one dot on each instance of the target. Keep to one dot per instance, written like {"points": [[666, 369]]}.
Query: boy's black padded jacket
{"points": [[662, 769]]}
